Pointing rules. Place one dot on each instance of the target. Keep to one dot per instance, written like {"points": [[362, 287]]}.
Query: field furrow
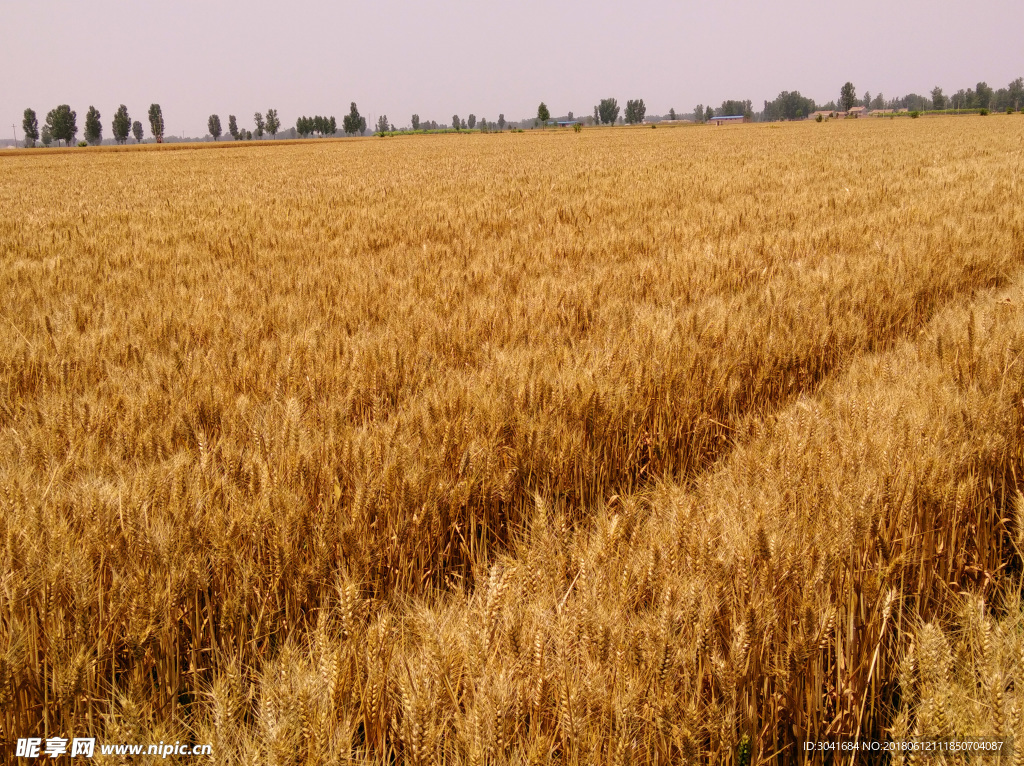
{"points": [[798, 591]]}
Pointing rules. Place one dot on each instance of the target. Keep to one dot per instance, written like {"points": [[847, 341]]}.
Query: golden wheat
{"points": [[620, 446]]}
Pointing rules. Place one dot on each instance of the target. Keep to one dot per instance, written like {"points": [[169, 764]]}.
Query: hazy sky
{"points": [[483, 56]]}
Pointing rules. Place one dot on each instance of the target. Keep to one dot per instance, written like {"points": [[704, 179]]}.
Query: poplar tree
{"points": [[30, 125], [353, 122], [62, 125], [122, 124], [273, 123], [156, 122]]}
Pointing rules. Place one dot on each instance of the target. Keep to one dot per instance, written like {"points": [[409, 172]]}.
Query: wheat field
{"points": [[627, 446]]}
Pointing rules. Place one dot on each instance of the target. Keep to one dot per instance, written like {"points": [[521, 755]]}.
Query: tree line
{"points": [[61, 122], [980, 98], [791, 105], [270, 124], [62, 125]]}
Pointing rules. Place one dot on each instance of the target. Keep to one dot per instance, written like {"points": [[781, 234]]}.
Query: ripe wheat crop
{"points": [[605, 447]]}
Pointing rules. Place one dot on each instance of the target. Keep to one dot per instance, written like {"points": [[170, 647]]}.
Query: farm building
{"points": [[857, 111], [727, 120], [567, 123]]}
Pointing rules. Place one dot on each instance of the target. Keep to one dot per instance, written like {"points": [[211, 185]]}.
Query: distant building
{"points": [[857, 111], [567, 123], [881, 112], [728, 120]]}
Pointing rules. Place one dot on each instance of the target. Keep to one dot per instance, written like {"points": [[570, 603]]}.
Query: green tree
{"points": [[156, 122], [332, 126], [501, 121], [353, 122], [93, 127], [635, 111], [415, 122], [671, 114], [867, 99], [787, 106], [472, 121], [708, 113], [847, 97], [137, 131], [597, 115], [608, 110], [260, 124], [213, 125], [456, 122], [1001, 100], [1015, 93], [47, 138], [938, 98], [983, 93], [273, 123], [121, 125], [382, 124], [30, 124], [62, 124], [542, 112], [248, 135], [698, 113], [233, 126], [914, 102], [734, 107], [878, 102]]}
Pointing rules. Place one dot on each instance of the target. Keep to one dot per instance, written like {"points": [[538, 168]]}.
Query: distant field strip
{"points": [[253, 401]]}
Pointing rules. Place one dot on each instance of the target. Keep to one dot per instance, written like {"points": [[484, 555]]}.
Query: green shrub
{"points": [[915, 114], [83, 143], [1009, 110], [577, 127], [983, 112], [819, 118]]}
